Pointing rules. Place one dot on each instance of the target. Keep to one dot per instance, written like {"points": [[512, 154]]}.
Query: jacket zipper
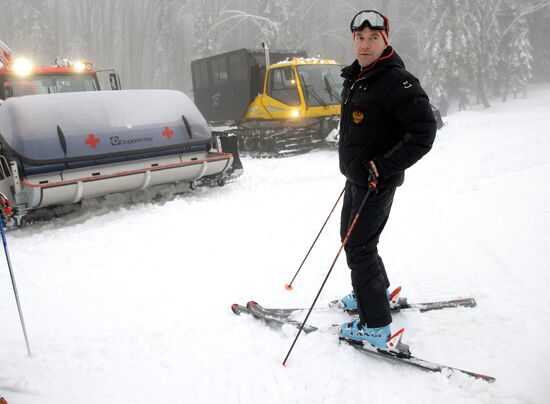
{"points": [[345, 118]]}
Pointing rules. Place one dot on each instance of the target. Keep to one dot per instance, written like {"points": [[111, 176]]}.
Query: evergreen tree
{"points": [[167, 43], [31, 30], [151, 44], [276, 26], [206, 14], [515, 51], [485, 27], [538, 37], [447, 55]]}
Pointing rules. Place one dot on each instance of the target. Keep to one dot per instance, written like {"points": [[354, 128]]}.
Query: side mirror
{"points": [[114, 81]]}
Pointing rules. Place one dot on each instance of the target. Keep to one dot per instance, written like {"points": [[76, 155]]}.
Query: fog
{"points": [[491, 48]]}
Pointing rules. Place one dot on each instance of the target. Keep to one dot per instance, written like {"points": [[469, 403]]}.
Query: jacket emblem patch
{"points": [[358, 117]]}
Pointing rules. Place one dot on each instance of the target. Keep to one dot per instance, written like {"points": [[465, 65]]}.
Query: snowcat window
{"points": [[4, 168], [238, 68], [200, 73], [195, 75], [21, 87], [16, 87], [282, 86], [5, 91], [322, 84], [219, 71]]}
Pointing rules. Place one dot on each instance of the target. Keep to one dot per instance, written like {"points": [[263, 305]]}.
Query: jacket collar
{"points": [[388, 59]]}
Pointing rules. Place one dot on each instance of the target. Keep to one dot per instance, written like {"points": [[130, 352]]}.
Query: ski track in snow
{"points": [[127, 299]]}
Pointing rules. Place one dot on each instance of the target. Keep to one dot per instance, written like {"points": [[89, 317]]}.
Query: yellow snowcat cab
{"points": [[283, 108]]}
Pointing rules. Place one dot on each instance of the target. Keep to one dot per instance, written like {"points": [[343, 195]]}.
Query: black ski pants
{"points": [[368, 275]]}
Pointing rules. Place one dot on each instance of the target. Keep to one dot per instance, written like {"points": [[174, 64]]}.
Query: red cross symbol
{"points": [[167, 132], [92, 141]]}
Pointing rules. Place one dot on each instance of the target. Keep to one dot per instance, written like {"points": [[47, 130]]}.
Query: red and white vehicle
{"points": [[20, 77]]}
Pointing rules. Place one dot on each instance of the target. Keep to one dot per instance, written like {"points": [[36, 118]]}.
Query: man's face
{"points": [[368, 45]]}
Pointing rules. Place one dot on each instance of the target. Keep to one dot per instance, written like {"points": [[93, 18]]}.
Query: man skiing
{"points": [[386, 126]]}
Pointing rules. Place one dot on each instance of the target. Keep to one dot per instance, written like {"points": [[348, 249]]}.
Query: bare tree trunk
{"points": [[481, 91], [483, 62]]}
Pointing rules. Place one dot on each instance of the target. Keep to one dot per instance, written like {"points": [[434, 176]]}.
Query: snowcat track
{"points": [[278, 143]]}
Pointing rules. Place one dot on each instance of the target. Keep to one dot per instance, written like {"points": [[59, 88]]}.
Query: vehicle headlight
{"points": [[79, 66], [22, 67]]}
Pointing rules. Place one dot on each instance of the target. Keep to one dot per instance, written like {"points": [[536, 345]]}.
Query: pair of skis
{"points": [[278, 317]]}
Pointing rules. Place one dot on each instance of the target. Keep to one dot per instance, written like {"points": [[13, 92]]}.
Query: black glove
{"points": [[363, 173]]}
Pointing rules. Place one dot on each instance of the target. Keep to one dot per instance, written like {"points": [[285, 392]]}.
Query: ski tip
{"points": [[288, 287], [481, 376], [251, 303], [234, 308]]}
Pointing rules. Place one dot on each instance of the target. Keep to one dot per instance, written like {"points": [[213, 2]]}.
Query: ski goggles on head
{"points": [[372, 18]]}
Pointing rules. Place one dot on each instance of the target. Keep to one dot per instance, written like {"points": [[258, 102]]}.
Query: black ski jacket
{"points": [[386, 117]]}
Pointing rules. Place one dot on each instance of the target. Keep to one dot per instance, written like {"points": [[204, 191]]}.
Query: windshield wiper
{"points": [[308, 89], [330, 90], [317, 97]]}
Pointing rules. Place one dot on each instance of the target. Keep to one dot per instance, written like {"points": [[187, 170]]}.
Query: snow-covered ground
{"points": [[130, 302]]}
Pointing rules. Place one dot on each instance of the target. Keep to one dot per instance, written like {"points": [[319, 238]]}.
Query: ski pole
{"points": [[288, 286], [331, 267], [6, 210]]}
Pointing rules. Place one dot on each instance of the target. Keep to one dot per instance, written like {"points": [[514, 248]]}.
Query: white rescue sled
{"points": [[62, 148]]}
